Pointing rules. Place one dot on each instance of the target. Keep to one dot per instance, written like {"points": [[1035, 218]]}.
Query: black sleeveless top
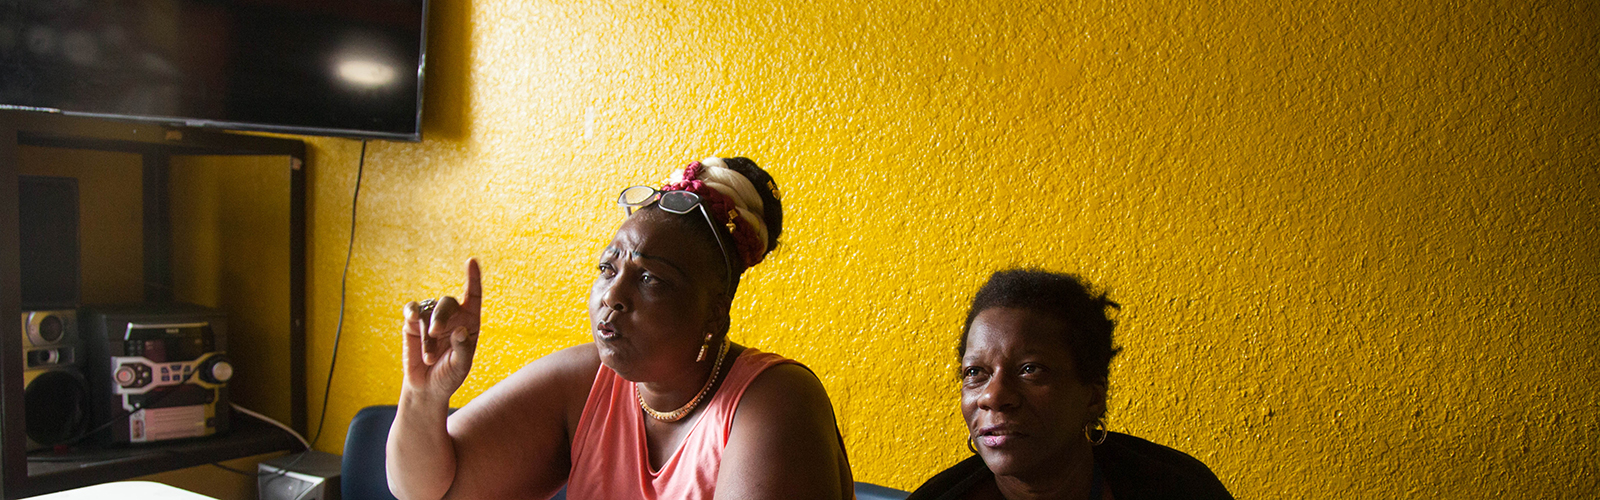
{"points": [[1134, 469]]}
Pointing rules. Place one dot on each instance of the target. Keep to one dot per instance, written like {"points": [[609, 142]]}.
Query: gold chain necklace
{"points": [[679, 413]]}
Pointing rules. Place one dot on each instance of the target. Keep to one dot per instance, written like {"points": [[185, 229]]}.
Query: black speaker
{"points": [[48, 218], [55, 393]]}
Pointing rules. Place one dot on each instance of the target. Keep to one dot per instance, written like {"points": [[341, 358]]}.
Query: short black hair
{"points": [[1065, 297]]}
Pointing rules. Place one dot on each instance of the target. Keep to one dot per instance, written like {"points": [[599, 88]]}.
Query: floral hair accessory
{"points": [[728, 196]]}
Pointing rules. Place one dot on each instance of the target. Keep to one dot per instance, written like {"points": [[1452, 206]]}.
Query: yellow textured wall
{"points": [[1355, 241]]}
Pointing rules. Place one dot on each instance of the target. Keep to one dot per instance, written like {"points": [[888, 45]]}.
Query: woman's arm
{"points": [[509, 442], [440, 341], [421, 458], [785, 442], [512, 441]]}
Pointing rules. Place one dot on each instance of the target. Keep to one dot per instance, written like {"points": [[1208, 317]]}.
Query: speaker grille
{"points": [[56, 407]]}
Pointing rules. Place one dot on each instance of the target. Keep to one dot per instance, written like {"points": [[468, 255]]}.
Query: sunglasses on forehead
{"points": [[677, 202]]}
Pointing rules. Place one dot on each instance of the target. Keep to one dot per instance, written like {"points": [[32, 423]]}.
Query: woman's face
{"points": [[669, 290], [1024, 405]]}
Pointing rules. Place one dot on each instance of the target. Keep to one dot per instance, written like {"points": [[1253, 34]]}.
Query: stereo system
{"points": [[124, 374], [157, 372], [146, 373]]}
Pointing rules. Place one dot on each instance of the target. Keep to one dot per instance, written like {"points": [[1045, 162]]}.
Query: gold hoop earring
{"points": [[970, 445], [1089, 434], [703, 347]]}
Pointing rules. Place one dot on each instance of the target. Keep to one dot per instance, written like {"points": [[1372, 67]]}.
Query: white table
{"points": [[124, 490]]}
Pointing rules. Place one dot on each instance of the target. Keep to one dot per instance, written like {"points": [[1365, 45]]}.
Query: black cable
{"points": [[344, 279], [284, 471], [148, 400], [241, 472]]}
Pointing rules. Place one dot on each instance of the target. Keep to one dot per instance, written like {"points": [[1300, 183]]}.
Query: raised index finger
{"points": [[472, 297]]}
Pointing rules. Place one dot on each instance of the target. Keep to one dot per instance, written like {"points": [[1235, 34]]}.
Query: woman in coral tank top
{"points": [[661, 405]]}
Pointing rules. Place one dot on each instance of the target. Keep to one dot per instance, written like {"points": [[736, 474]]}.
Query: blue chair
{"points": [[363, 477], [869, 491], [361, 473]]}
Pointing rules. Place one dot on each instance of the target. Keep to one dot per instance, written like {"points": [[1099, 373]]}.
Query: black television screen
{"points": [[323, 67]]}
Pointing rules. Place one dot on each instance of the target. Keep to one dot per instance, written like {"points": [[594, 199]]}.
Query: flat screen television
{"points": [[348, 68]]}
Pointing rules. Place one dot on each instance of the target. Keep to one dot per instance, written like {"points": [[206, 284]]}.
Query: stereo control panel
{"points": [[139, 375]]}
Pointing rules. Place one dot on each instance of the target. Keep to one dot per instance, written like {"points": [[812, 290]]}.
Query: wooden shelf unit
{"points": [[156, 144]]}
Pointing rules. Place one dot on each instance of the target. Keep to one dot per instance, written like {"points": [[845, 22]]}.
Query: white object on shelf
{"points": [[125, 490]]}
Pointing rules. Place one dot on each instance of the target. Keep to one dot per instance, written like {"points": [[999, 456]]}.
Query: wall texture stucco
{"points": [[1355, 241]]}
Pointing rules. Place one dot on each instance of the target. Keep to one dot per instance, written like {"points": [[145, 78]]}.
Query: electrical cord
{"points": [[344, 281], [269, 420], [282, 471]]}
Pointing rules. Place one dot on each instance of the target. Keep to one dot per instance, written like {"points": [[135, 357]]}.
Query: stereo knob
{"points": [[216, 370], [127, 376]]}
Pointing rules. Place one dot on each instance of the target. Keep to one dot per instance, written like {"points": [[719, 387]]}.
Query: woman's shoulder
{"points": [[953, 482], [773, 399], [770, 379], [1136, 468], [579, 360], [759, 359], [782, 432], [560, 368], [555, 384]]}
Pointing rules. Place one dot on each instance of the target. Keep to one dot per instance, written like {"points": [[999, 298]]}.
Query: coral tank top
{"points": [[610, 457]]}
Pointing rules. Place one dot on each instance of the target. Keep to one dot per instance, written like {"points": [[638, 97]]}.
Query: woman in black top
{"points": [[1034, 358]]}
